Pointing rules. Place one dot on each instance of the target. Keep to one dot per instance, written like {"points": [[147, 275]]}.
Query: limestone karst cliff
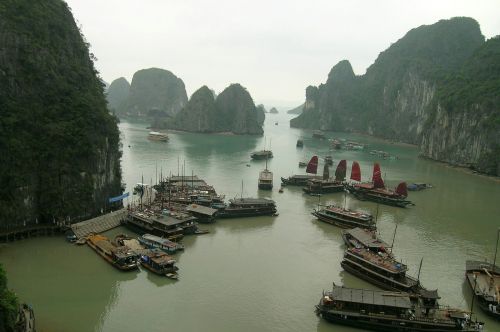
{"points": [[402, 96], [60, 145], [232, 111], [117, 93], [154, 92]]}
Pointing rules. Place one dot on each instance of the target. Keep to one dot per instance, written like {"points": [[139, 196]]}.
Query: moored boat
{"points": [[157, 136], [327, 184], [418, 186], [160, 263], [156, 242], [120, 257], [344, 218], [484, 280], [318, 134], [265, 181], [390, 311], [364, 238], [298, 180], [248, 207], [376, 190], [262, 154], [300, 143]]}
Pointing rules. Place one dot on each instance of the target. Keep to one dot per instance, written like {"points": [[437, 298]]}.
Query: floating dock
{"points": [[99, 224]]}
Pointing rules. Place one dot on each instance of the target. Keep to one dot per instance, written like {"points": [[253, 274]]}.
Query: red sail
{"points": [[312, 166], [340, 171], [401, 190], [377, 177], [355, 172]]}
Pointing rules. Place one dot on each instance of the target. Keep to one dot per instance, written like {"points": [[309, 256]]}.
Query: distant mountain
{"points": [[436, 87], [296, 110], [273, 110], [154, 92], [232, 111], [117, 93]]}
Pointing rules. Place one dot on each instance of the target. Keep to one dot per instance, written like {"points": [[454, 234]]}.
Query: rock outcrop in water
{"points": [[155, 92], [405, 95], [117, 93], [60, 145], [232, 111]]}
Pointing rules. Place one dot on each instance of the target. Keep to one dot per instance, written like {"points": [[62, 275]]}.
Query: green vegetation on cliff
{"points": [[444, 66], [232, 111], [154, 92], [8, 304], [59, 142], [117, 94]]}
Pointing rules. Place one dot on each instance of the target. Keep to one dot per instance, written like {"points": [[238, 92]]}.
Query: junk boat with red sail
{"points": [[390, 311], [301, 179], [327, 184], [376, 190]]}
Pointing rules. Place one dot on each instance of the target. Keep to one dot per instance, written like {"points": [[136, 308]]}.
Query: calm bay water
{"points": [[257, 274]]}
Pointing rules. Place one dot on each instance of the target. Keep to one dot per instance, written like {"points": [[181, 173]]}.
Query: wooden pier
{"points": [[99, 224]]}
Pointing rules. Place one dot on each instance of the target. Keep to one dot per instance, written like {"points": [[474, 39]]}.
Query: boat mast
{"points": [[394, 237], [473, 293], [376, 215], [496, 248], [241, 196], [419, 268]]}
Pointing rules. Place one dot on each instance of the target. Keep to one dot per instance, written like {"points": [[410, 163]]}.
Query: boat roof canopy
{"points": [[200, 209], [366, 239], [372, 297], [251, 201]]}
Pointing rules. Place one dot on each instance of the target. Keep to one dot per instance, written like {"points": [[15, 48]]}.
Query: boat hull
{"points": [[324, 190], [380, 323], [366, 195], [376, 279], [481, 299], [265, 186], [162, 272], [343, 223], [242, 213]]}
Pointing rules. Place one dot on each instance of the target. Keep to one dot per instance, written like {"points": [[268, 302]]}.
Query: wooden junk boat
{"points": [[376, 190], [301, 179], [156, 242], [484, 280], [262, 154], [120, 257], [157, 136], [160, 263], [344, 218], [383, 270], [327, 184], [248, 207], [265, 179], [364, 238], [390, 311]]}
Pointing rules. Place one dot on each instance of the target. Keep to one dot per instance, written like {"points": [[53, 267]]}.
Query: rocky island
{"points": [[117, 94], [436, 87], [232, 111]]}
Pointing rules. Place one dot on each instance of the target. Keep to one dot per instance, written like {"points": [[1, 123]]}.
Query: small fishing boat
{"points": [[418, 186], [262, 154], [120, 257], [300, 143], [160, 263], [157, 136], [318, 134], [156, 242], [302, 164], [344, 218], [391, 311]]}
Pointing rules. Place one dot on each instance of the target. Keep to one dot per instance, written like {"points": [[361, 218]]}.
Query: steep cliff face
{"points": [[200, 114], [236, 111], [155, 92], [60, 144], [117, 94], [401, 94]]}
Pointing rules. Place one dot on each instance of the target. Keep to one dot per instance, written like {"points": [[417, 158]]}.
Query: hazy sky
{"points": [[273, 48]]}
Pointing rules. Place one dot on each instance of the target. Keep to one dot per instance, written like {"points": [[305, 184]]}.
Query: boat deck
{"points": [[382, 260], [367, 238]]}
